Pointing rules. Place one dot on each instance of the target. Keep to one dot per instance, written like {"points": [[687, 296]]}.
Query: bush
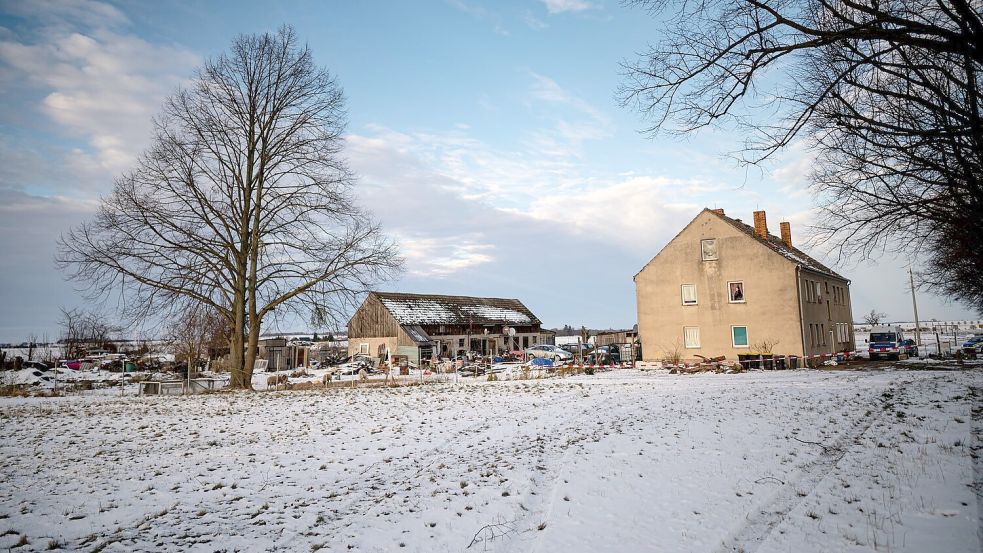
{"points": [[588, 370]]}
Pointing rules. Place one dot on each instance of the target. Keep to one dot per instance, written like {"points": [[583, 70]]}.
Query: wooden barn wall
{"points": [[372, 320]]}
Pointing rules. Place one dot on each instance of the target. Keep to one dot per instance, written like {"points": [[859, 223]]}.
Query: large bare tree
{"points": [[243, 203], [885, 93]]}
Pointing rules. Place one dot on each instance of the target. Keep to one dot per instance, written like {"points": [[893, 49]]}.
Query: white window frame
{"points": [[682, 294], [743, 292], [363, 349], [747, 336], [703, 254], [686, 344]]}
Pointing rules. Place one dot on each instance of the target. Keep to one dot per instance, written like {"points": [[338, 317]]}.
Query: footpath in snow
{"points": [[624, 461]]}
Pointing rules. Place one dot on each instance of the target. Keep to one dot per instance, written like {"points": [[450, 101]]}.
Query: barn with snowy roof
{"points": [[425, 326]]}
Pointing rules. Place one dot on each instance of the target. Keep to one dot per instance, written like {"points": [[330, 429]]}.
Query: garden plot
{"points": [[778, 461]]}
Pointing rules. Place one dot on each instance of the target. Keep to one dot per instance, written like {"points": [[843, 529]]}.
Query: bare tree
{"points": [[885, 94], [82, 329], [192, 332], [243, 204], [874, 318]]}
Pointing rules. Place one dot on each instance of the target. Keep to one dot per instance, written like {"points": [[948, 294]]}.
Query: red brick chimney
{"points": [[786, 233], [760, 225], [718, 211]]}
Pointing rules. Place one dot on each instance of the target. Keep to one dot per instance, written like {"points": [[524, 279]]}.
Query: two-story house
{"points": [[722, 287]]}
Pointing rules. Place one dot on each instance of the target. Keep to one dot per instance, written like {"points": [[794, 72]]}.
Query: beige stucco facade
{"points": [[767, 310]]}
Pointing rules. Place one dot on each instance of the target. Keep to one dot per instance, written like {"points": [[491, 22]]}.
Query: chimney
{"points": [[718, 211], [760, 225], [786, 233]]}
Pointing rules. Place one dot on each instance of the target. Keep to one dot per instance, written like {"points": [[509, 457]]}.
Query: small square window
{"points": [[738, 336], [689, 294], [708, 248], [363, 348], [735, 291]]}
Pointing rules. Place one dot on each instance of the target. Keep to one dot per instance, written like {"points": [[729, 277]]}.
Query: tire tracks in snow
{"points": [[975, 451], [797, 488]]}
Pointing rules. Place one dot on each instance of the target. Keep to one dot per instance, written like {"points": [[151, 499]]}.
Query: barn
{"points": [[426, 326]]}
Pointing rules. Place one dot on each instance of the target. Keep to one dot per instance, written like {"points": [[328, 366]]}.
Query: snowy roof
{"points": [[423, 309], [791, 253]]}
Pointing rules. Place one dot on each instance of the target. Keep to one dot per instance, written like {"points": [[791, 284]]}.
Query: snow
{"points": [[497, 314], [624, 460], [418, 311], [427, 311]]}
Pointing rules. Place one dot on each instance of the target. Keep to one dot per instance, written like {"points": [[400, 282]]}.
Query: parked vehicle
{"points": [[973, 341], [886, 342], [605, 355], [546, 351], [910, 348], [576, 348]]}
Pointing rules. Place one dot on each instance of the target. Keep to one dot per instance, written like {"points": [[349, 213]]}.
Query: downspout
{"points": [[798, 296]]}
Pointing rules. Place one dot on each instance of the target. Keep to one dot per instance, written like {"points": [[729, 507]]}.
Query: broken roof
{"points": [[775, 243], [423, 309]]}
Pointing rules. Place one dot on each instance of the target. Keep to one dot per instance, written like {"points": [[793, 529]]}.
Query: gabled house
{"points": [[722, 287], [425, 326]]}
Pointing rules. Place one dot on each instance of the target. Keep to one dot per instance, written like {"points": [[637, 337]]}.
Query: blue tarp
{"points": [[541, 362]]}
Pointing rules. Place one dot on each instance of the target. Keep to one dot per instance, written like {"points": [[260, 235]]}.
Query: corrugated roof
{"points": [[791, 253], [417, 334], [421, 309]]}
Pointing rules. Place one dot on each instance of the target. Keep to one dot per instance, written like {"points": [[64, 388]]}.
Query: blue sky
{"points": [[487, 137]]}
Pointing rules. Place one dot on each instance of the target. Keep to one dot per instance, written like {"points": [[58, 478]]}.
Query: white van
{"points": [[887, 342]]}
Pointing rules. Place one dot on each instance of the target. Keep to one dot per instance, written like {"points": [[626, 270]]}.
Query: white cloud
{"points": [[560, 6], [99, 84], [792, 176], [64, 14], [443, 256]]}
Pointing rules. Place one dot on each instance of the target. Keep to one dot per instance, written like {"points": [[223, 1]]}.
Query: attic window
{"points": [[709, 249]]}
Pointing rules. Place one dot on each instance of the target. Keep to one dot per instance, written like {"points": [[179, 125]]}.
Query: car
{"points": [[605, 355], [973, 341], [575, 348], [35, 365], [546, 351], [910, 348]]}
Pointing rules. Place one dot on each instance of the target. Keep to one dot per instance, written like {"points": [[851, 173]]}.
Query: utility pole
{"points": [[914, 306]]}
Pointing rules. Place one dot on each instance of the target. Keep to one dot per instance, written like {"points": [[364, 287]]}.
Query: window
{"points": [[817, 294], [735, 291], [363, 349], [708, 248], [822, 332], [691, 336], [535, 339], [738, 336], [460, 342], [689, 294]]}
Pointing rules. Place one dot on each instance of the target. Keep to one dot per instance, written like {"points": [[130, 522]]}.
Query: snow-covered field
{"points": [[621, 461]]}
